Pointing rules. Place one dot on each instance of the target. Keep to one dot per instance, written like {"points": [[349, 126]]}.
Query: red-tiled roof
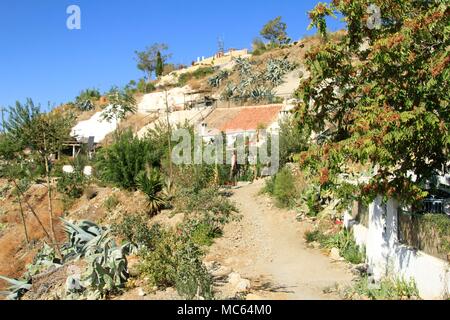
{"points": [[250, 118]]}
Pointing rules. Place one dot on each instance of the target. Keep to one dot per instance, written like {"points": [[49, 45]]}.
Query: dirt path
{"points": [[267, 247]]}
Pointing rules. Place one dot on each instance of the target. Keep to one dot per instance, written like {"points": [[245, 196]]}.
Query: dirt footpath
{"points": [[267, 247]]}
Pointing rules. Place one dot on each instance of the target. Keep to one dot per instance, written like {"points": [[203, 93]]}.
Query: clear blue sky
{"points": [[41, 59]]}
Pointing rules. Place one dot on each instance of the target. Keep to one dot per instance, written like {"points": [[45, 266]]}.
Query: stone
{"points": [[335, 254], [360, 269], [141, 292], [315, 245], [239, 284], [221, 272]]}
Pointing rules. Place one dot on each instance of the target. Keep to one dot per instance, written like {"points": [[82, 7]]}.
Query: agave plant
{"points": [[229, 91], [149, 182], [276, 69], [45, 259], [244, 67], [261, 93], [107, 268], [80, 236], [86, 105], [16, 289], [216, 80]]}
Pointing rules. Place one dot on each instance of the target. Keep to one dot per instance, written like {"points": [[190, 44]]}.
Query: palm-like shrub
{"points": [[149, 182]]}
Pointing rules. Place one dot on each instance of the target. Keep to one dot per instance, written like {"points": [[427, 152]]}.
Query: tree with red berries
{"points": [[381, 94]]}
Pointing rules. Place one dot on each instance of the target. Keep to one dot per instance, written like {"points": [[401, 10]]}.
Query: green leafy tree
{"points": [[44, 135], [148, 59], [381, 93], [275, 32], [19, 169]]}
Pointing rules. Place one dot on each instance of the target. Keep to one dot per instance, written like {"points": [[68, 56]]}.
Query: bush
{"points": [[121, 162], [343, 240], [206, 201], [387, 289], [111, 203], [203, 230], [194, 178], [293, 139], [312, 199], [314, 236], [134, 229], [86, 99], [145, 87], [200, 73], [259, 47], [73, 184], [176, 261], [269, 186], [284, 188]]}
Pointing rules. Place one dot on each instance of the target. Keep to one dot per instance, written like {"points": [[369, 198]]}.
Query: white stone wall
{"points": [[387, 257]]}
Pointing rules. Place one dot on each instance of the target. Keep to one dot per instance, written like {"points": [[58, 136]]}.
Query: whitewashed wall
{"points": [[387, 257]]}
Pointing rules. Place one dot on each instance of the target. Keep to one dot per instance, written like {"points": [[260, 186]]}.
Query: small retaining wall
{"points": [[387, 257]]}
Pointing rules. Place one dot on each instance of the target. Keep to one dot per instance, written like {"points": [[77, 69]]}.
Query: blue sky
{"points": [[41, 59]]}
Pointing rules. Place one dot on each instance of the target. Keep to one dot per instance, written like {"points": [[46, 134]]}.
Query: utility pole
{"points": [[220, 45]]}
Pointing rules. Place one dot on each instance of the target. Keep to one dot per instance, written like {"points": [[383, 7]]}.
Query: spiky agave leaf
{"points": [[16, 289]]}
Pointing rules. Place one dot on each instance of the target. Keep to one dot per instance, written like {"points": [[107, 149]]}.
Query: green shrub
{"points": [[121, 162], [293, 139], [86, 99], [206, 201], [193, 178], [73, 184], [111, 203], [269, 186], [343, 240], [314, 236], [312, 199], [134, 229], [387, 289], [192, 277], [200, 73], [145, 87], [284, 188], [176, 261], [203, 231]]}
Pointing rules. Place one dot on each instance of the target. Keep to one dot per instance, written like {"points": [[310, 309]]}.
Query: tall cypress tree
{"points": [[159, 65]]}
